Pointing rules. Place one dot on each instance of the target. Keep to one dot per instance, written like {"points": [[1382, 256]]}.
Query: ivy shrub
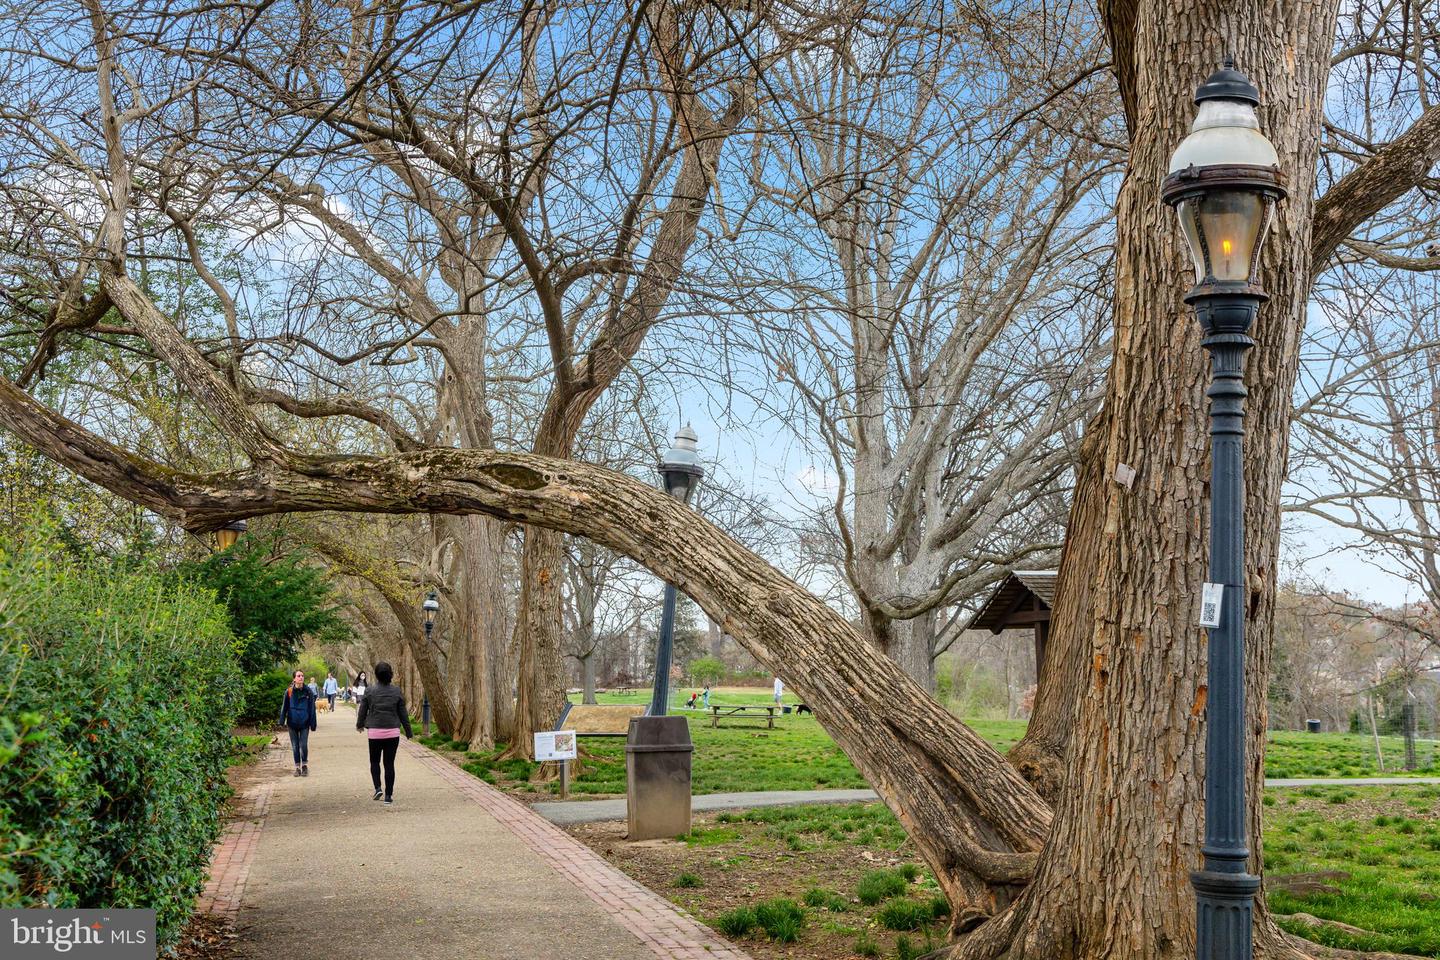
{"points": [[118, 690]]}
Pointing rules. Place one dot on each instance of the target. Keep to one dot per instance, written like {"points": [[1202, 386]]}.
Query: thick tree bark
{"points": [[480, 615]]}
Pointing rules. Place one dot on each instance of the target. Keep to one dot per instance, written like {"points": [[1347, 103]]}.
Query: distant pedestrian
{"points": [[314, 690], [705, 697], [361, 682], [779, 691], [332, 687], [297, 713], [382, 714]]}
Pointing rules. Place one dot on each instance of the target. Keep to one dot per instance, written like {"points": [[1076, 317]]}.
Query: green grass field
{"points": [[1386, 838], [1291, 754], [742, 755]]}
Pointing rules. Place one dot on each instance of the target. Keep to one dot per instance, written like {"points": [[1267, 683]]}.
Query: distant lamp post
{"points": [[227, 536], [430, 607], [1224, 181], [681, 473], [658, 748]]}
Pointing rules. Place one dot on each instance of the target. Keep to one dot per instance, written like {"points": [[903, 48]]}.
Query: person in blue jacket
{"points": [[297, 713]]}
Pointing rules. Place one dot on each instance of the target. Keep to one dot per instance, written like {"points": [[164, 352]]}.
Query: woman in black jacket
{"points": [[382, 714]]}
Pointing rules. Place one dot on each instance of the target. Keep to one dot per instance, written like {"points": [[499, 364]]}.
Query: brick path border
{"points": [[669, 933], [235, 850]]}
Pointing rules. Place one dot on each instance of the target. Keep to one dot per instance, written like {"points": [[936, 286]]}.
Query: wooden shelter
{"points": [[1022, 599]]}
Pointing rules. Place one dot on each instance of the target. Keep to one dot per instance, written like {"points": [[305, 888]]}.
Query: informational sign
{"points": [[1212, 598], [555, 745]]}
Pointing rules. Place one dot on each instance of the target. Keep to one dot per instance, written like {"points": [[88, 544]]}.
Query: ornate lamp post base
{"points": [[1223, 920]]}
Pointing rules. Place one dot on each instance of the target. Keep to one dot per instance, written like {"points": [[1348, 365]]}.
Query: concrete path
{"points": [[453, 871], [569, 812], [572, 812]]}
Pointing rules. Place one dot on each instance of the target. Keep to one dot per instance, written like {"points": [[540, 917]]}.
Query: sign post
{"points": [[557, 745]]}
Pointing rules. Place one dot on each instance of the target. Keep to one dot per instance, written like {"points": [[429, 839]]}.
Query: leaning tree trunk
{"points": [[412, 632], [1114, 878]]}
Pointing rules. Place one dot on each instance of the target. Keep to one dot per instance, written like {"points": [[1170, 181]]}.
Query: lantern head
{"points": [[1224, 181]]}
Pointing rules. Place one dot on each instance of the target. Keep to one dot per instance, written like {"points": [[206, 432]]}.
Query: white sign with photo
{"points": [[555, 745]]}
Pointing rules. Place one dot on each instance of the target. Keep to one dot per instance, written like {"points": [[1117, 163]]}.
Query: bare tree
{"points": [[1104, 872], [932, 321]]}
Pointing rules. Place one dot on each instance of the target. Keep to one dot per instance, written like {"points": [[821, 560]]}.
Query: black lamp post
{"points": [[1224, 182], [430, 607], [681, 472]]}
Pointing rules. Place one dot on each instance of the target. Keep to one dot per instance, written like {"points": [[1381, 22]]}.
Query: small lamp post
{"points": [[1224, 181], [658, 748], [226, 536], [681, 473], [430, 607]]}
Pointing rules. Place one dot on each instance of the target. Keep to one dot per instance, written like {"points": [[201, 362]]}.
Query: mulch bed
{"points": [[751, 868]]}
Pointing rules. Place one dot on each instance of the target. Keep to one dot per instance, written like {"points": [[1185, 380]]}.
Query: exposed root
{"points": [[1309, 950]]}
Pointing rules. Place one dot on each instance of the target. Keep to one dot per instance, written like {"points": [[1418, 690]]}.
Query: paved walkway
{"points": [[569, 812], [572, 812], [453, 870]]}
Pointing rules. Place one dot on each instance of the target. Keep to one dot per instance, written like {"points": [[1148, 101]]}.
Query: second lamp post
{"points": [[681, 473], [430, 607], [1224, 182]]}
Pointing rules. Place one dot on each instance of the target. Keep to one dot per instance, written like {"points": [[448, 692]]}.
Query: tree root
{"points": [[1310, 950]]}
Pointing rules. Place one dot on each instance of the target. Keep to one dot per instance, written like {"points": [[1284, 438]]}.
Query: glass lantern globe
{"points": [[680, 466], [431, 606], [1224, 180], [227, 536]]}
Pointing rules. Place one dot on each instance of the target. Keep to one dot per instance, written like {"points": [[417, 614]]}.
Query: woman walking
{"points": [[381, 715], [297, 713]]}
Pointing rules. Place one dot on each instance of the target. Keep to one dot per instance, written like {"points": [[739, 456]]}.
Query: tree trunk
{"points": [[1114, 878], [538, 631], [480, 615], [587, 669], [432, 684]]}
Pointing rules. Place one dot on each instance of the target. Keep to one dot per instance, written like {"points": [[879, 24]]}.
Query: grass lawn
{"points": [[742, 754], [799, 883], [1290, 754], [245, 747], [831, 882], [1386, 839]]}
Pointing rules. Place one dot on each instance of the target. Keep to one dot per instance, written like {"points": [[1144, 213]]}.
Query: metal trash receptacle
{"points": [[658, 753], [1312, 726]]}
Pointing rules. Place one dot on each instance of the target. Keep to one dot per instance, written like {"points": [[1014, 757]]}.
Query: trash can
{"points": [[658, 751], [1312, 726]]}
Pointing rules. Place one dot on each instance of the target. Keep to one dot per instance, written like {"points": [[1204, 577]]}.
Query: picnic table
{"points": [[742, 711]]}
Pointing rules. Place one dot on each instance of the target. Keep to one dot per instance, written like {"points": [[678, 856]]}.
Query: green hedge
{"points": [[117, 697], [263, 694]]}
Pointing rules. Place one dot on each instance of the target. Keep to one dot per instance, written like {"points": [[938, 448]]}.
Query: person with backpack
{"points": [[297, 714], [381, 715]]}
